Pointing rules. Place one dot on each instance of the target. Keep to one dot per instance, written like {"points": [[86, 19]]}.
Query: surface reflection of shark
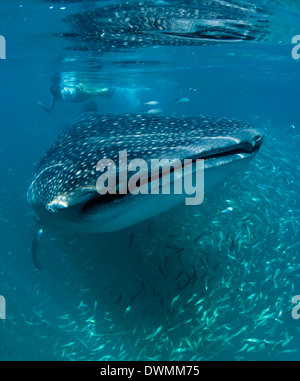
{"points": [[142, 24]]}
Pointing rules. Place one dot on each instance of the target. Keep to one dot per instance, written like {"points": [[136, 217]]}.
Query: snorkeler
{"points": [[76, 93]]}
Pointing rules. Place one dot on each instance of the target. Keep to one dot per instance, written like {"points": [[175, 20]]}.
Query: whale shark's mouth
{"points": [[239, 151], [212, 158]]}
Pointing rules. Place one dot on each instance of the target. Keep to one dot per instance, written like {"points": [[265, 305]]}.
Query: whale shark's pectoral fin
{"points": [[35, 244]]}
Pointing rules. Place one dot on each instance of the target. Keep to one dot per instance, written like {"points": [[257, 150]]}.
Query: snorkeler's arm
{"points": [[51, 106]]}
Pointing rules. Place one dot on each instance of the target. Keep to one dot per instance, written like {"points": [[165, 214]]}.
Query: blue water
{"points": [[119, 296]]}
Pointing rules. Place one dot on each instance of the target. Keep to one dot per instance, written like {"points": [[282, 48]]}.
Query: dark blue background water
{"points": [[253, 82]]}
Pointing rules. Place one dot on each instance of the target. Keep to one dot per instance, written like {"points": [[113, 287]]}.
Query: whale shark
{"points": [[64, 195]]}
